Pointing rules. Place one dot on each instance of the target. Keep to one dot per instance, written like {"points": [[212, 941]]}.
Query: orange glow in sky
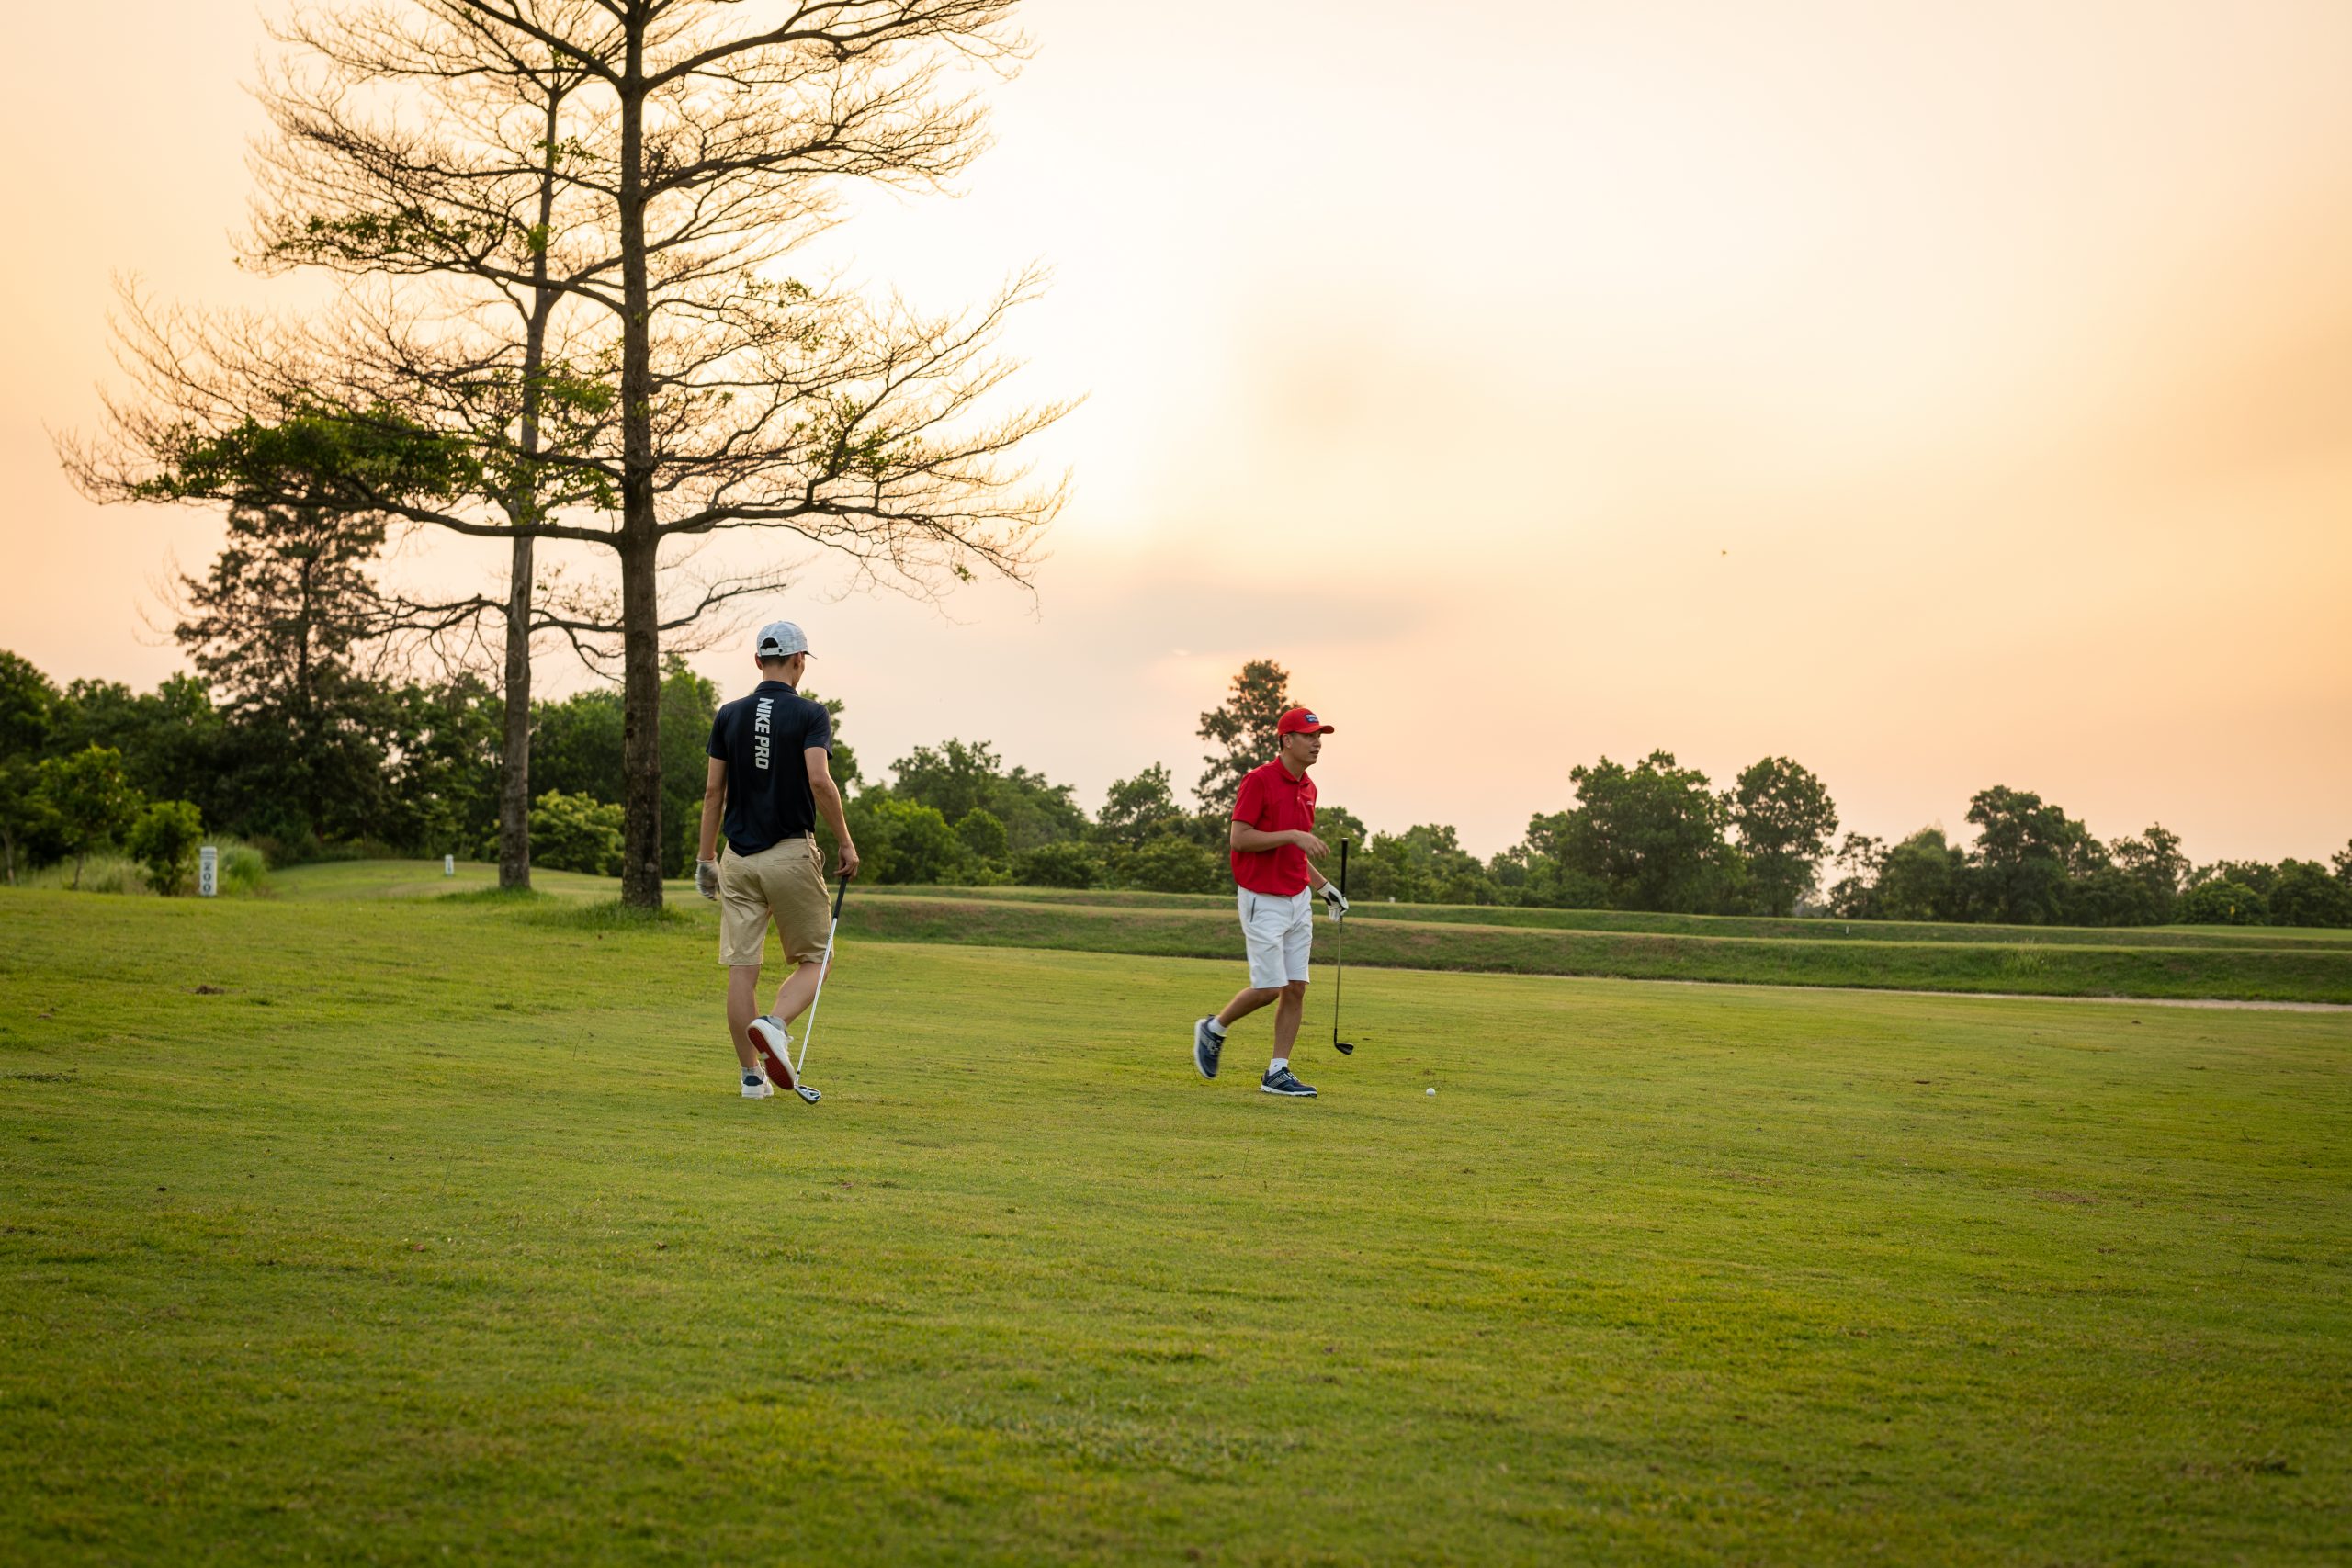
{"points": [[1941, 395]]}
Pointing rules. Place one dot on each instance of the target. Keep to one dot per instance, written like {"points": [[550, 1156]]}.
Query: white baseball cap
{"points": [[780, 639]]}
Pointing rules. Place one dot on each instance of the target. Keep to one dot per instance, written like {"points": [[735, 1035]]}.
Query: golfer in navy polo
{"points": [[769, 779], [1274, 849]]}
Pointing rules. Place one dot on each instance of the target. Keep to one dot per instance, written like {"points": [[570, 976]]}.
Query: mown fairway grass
{"points": [[2177, 963], [433, 1230]]}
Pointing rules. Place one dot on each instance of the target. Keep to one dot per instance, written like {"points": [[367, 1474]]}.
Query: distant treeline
{"points": [[349, 764]]}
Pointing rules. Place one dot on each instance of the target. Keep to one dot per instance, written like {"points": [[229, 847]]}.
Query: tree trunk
{"points": [[639, 545], [515, 777], [523, 509], [640, 721]]}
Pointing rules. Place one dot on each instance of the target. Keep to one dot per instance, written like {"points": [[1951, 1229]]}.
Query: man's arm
{"points": [[714, 807], [1246, 839], [828, 803]]}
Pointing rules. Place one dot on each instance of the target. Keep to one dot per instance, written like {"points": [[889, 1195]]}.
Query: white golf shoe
{"points": [[774, 1044], [756, 1085]]}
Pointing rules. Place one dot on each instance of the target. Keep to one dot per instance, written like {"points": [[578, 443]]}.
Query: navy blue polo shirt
{"points": [[762, 740]]}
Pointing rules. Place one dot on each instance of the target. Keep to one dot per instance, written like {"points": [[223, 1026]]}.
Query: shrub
{"points": [[576, 832], [164, 841], [2109, 896], [1170, 863], [2305, 894], [1066, 865], [2221, 904], [902, 841], [92, 801]]}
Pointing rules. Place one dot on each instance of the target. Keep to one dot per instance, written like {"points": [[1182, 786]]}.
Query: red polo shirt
{"points": [[1274, 802]]}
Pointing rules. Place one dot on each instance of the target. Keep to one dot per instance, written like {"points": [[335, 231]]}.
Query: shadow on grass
{"points": [[605, 915], [519, 895]]}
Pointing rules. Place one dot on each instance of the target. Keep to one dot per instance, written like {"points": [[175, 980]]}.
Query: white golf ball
{"points": [[1432, 1089]]}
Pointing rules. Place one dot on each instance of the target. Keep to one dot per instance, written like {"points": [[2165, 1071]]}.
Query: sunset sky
{"points": [[1942, 395]]}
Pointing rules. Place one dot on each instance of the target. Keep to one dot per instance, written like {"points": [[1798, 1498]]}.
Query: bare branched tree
{"points": [[565, 227]]}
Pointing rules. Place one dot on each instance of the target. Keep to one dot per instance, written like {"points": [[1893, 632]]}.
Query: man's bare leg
{"points": [[742, 1006], [1287, 1014], [799, 988], [1247, 1000]]}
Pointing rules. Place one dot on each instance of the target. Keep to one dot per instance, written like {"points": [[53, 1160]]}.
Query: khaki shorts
{"points": [[786, 880]]}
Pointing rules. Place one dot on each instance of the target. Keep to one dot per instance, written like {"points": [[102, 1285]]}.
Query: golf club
{"points": [[1340, 962], [809, 1030]]}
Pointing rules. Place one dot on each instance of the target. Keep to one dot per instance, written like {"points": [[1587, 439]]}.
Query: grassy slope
{"points": [[440, 1227], [2203, 964], [2247, 974], [1634, 921]]}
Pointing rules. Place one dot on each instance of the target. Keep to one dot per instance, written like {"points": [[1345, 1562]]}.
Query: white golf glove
{"points": [[1336, 900], [706, 878]]}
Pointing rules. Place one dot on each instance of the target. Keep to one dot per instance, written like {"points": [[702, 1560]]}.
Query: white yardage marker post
{"points": [[448, 865], [208, 871]]}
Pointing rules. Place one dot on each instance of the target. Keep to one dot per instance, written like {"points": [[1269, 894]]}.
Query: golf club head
{"points": [[805, 1092], [1344, 1047]]}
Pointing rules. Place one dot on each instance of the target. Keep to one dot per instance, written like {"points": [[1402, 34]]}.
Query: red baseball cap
{"points": [[1302, 721]]}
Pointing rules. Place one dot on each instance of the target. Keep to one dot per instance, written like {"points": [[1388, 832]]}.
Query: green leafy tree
{"points": [[901, 840], [2305, 894], [957, 777], [576, 745], [30, 829], [1424, 865], [952, 778], [1535, 871], [277, 627], [689, 704], [2110, 896], [1651, 836], [1036, 810], [1924, 877], [1784, 818], [2260, 876], [1854, 897], [91, 799], [1174, 863], [2154, 860], [983, 838], [164, 841], [175, 742], [442, 793], [2025, 855], [576, 832], [1139, 809], [1335, 825], [2222, 903], [28, 701], [697, 148], [1241, 731]]}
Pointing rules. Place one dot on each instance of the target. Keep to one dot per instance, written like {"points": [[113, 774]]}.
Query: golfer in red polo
{"points": [[1274, 847]]}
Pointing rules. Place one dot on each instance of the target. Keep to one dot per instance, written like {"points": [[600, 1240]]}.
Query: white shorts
{"points": [[1277, 932]]}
